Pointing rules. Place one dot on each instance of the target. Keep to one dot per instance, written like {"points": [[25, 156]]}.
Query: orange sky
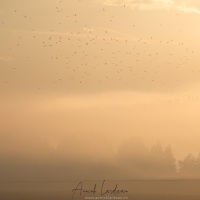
{"points": [[116, 69]]}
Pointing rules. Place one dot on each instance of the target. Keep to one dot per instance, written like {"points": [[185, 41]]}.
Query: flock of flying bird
{"points": [[96, 58]]}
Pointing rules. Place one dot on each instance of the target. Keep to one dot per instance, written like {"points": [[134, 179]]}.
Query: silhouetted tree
{"points": [[157, 149], [169, 160], [188, 166]]}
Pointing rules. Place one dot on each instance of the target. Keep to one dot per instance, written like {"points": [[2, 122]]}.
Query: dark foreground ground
{"points": [[137, 190]]}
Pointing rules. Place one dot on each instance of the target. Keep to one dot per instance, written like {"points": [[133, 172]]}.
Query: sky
{"points": [[99, 72]]}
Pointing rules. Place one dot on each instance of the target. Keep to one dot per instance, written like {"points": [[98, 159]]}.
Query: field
{"points": [[137, 190]]}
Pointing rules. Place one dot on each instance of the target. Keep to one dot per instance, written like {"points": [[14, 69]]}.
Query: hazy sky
{"points": [[109, 70]]}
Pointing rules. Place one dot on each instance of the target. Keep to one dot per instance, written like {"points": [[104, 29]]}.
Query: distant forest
{"points": [[158, 162], [31, 158]]}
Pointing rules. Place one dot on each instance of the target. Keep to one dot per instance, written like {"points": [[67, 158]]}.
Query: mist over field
{"points": [[86, 138]]}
